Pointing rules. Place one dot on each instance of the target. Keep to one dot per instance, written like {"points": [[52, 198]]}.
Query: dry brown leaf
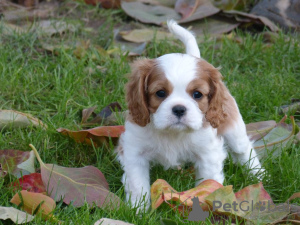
{"points": [[147, 13], [202, 9], [240, 16], [144, 35]]}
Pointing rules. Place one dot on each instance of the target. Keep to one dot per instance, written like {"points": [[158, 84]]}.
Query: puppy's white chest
{"points": [[171, 150]]}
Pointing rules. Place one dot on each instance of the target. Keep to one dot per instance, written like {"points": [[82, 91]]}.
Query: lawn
{"points": [[56, 86]]}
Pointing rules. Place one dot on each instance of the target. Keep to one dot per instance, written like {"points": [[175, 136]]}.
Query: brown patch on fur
{"points": [[135, 91], [145, 80], [221, 110], [200, 84], [157, 81]]}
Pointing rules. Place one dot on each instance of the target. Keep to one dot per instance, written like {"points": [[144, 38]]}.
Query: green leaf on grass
{"points": [[77, 185]]}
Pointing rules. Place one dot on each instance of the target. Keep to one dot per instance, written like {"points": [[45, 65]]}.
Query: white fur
{"points": [[187, 38], [170, 140], [179, 76]]}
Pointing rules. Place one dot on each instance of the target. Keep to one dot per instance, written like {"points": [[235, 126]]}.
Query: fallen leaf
{"points": [[258, 216], [106, 4], [51, 27], [201, 9], [77, 185], [292, 108], [252, 203], [3, 172], [23, 14], [144, 35], [28, 3], [247, 17], [161, 191], [81, 49], [240, 5], [35, 203], [213, 25], [294, 196], [15, 215], [15, 119], [54, 48], [255, 193], [147, 13], [10, 29], [16, 162], [96, 136], [126, 47], [258, 130], [167, 3], [106, 221], [102, 116], [284, 13], [32, 183], [280, 136], [222, 197], [186, 7]]}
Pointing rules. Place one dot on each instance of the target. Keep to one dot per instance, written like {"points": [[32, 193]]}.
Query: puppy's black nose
{"points": [[179, 110]]}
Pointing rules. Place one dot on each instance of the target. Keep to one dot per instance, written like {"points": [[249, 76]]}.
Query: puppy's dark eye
{"points": [[197, 95], [161, 94]]}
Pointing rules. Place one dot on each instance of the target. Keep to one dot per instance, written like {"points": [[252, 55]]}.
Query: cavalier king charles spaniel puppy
{"points": [[179, 111]]}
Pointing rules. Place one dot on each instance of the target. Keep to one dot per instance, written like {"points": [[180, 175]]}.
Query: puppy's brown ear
{"points": [[220, 101], [136, 89]]}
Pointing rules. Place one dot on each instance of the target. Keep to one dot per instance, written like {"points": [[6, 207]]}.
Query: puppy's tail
{"points": [[186, 37]]}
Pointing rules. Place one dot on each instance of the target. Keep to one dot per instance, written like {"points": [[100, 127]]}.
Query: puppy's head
{"points": [[177, 92]]}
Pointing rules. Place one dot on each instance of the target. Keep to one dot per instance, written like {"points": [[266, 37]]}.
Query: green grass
{"points": [[56, 87]]}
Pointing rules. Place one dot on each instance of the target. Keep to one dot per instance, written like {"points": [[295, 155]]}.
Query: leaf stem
{"points": [[37, 155]]}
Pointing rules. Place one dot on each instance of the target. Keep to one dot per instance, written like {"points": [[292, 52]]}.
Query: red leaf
{"points": [[99, 135], [32, 183], [255, 193]]}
